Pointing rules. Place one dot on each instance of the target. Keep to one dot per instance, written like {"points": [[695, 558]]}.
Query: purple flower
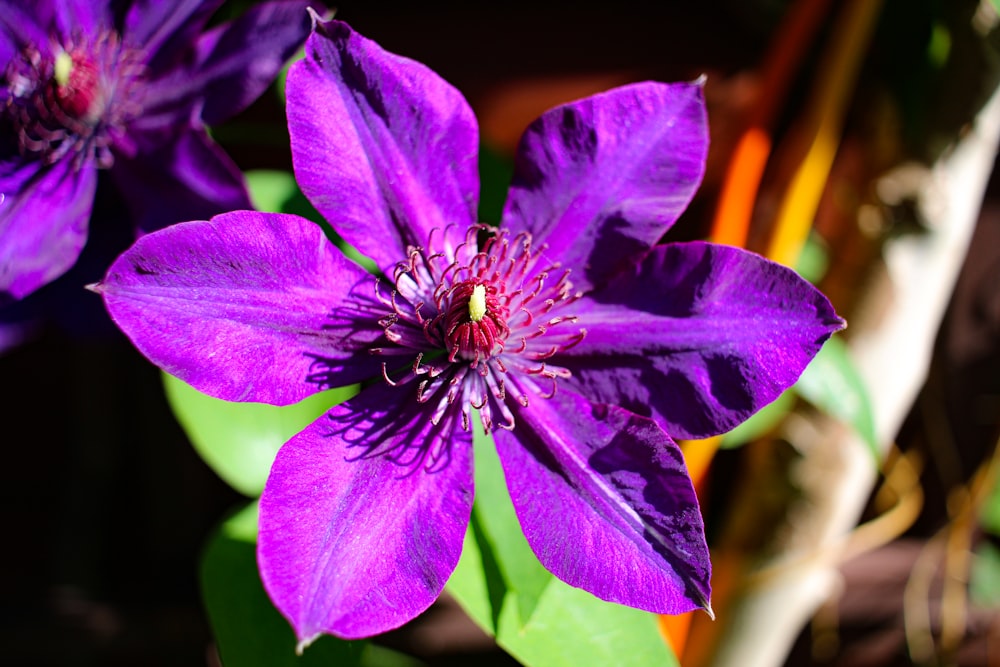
{"points": [[87, 85], [567, 332]]}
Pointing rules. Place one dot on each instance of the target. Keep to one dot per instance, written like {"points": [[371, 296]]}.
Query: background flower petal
{"points": [[382, 146], [80, 16], [606, 503], [600, 180], [8, 47], [164, 28], [244, 307], [699, 336], [43, 222], [232, 64], [352, 543], [22, 27], [188, 177]]}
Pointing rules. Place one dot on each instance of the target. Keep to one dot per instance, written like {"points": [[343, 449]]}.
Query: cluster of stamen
{"points": [[75, 103], [478, 324], [475, 324]]}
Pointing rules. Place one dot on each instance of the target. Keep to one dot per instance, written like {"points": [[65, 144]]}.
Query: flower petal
{"points": [[188, 177], [351, 542], [382, 147], [76, 16], [246, 307], [44, 218], [606, 503], [8, 47], [26, 27], [161, 28], [600, 180], [232, 64], [699, 336]]}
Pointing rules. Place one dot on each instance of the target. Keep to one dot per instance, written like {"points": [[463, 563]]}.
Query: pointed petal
{"points": [[187, 178], [699, 336], [232, 64], [606, 503], [600, 180], [382, 147], [353, 544], [44, 218], [245, 307]]}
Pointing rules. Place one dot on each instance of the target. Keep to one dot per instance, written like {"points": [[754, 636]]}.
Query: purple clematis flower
{"points": [[567, 332], [87, 85]]}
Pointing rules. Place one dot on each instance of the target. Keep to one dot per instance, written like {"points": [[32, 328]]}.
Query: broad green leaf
{"points": [[271, 190], [833, 384], [470, 584], [568, 626], [760, 423], [535, 617], [239, 440], [572, 628], [497, 525], [248, 630]]}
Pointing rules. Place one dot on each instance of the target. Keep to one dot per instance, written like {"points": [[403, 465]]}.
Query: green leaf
{"points": [[568, 626], [472, 581], [271, 190], [538, 619], [984, 578], [989, 517], [249, 631], [833, 384], [760, 423], [380, 656], [814, 259], [239, 440], [572, 628], [497, 524]]}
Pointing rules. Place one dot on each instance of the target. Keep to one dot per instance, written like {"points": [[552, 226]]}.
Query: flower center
{"points": [[76, 103], [475, 324], [77, 87]]}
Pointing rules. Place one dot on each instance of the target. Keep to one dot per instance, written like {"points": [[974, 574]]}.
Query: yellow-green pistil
{"points": [[63, 67], [477, 303]]}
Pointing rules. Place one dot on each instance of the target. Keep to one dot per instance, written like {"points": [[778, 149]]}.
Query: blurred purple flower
{"points": [[567, 332], [87, 85]]}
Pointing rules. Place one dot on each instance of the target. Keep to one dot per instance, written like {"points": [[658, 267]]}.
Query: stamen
{"points": [[486, 313]]}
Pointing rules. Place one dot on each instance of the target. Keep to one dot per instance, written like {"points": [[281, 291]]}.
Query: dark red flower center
{"points": [[75, 101], [77, 86], [475, 323], [497, 311]]}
